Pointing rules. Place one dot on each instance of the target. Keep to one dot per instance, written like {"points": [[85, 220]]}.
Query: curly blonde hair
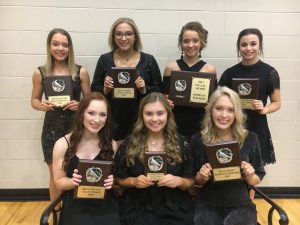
{"points": [[137, 145]]}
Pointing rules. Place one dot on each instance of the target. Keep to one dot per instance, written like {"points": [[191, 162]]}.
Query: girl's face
{"points": [[223, 114], [155, 117], [124, 37], [95, 116], [191, 43], [249, 48], [59, 47]]}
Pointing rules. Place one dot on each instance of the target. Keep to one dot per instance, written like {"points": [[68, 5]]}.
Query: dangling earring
{"points": [[181, 54], [199, 54]]}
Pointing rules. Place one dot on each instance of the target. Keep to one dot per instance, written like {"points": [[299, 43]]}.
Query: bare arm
{"points": [[249, 173], [274, 105], [61, 180], [84, 81], [172, 181]]}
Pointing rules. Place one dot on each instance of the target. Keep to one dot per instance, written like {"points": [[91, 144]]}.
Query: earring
{"points": [[181, 54], [199, 54]]}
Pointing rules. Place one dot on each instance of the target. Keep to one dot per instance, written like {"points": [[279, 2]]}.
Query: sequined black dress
{"points": [[57, 123]]}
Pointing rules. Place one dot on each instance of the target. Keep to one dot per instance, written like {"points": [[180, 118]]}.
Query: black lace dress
{"points": [[268, 82], [124, 111], [58, 122], [86, 211], [155, 205]]}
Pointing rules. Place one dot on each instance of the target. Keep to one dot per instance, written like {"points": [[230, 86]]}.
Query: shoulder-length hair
{"points": [[209, 131], [137, 46], [137, 145], [104, 135], [70, 60]]}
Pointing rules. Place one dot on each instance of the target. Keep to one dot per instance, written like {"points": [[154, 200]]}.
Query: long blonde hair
{"points": [[71, 59], [137, 145], [209, 131]]}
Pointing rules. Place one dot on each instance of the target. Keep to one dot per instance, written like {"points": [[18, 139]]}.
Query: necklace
{"points": [[122, 57]]}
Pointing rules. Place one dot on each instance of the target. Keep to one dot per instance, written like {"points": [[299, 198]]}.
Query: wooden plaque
{"points": [[58, 89], [93, 173], [224, 158], [155, 164], [191, 89], [124, 86], [247, 88]]}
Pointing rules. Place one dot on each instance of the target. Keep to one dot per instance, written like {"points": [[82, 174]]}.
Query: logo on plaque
{"points": [[123, 77], [58, 85], [180, 85], [93, 174], [244, 89], [155, 163], [224, 158], [224, 155]]}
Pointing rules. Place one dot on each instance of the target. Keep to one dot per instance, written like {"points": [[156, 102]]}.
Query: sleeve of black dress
{"points": [[274, 81], [156, 84], [99, 75], [255, 157], [120, 162], [198, 152], [225, 79], [166, 84], [187, 161]]}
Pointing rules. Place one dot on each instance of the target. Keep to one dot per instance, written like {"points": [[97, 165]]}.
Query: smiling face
{"points": [[59, 47], [191, 43], [223, 114], [155, 117], [124, 36], [95, 116], [249, 48]]}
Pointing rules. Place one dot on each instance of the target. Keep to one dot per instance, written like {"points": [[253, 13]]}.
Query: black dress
{"points": [[188, 119], [124, 111], [226, 197], [268, 82], [58, 122], [88, 212], [154, 205]]}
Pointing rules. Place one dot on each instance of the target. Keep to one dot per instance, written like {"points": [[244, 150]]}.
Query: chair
{"points": [[44, 220], [195, 191], [283, 217]]}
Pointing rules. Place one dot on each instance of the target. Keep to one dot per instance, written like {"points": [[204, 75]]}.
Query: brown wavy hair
{"points": [[137, 145], [104, 135]]}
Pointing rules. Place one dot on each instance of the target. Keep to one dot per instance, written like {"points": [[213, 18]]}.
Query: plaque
{"points": [[191, 89], [93, 173], [58, 89], [155, 165], [247, 88], [124, 86], [224, 158]]}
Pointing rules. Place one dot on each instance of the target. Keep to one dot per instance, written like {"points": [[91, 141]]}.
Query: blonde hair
{"points": [[71, 59], [137, 46], [209, 131], [137, 145]]}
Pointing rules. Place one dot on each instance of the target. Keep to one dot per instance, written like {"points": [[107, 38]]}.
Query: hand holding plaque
{"points": [[155, 165], [191, 88], [93, 173], [247, 88], [58, 89], [224, 158], [124, 86]]}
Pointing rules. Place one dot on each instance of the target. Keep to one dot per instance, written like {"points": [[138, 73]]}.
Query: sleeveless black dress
{"points": [[188, 119], [88, 212], [58, 122]]}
